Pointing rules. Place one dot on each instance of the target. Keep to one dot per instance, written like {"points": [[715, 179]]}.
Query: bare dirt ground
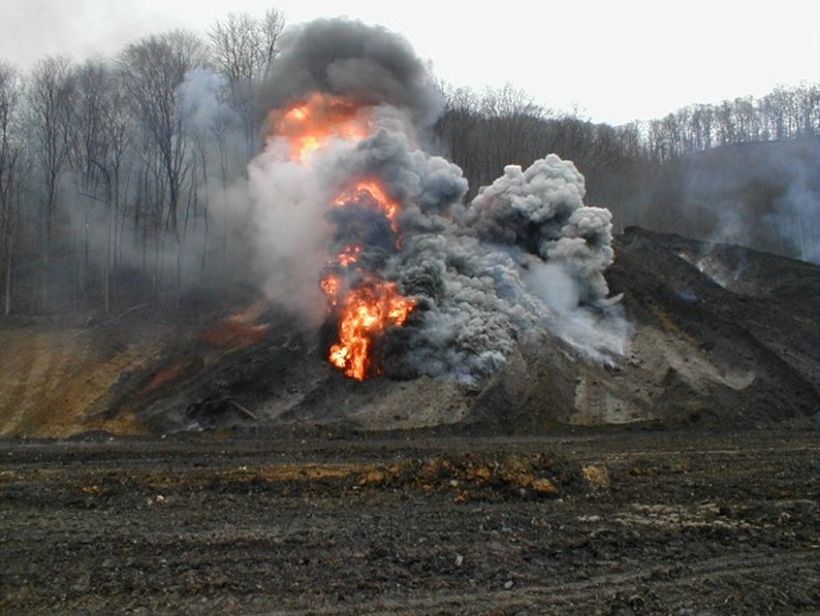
{"points": [[597, 522]]}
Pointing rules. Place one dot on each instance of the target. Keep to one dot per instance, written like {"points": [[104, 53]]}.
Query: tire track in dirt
{"points": [[579, 593]]}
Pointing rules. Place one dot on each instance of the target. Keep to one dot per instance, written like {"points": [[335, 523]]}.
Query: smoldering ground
{"points": [[764, 195]]}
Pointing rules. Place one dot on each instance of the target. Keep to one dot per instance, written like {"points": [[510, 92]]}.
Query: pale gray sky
{"points": [[614, 60]]}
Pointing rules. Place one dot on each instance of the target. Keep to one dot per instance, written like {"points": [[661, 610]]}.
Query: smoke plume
{"points": [[359, 226], [369, 65]]}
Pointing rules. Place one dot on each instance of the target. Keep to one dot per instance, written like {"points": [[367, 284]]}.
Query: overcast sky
{"points": [[613, 60]]}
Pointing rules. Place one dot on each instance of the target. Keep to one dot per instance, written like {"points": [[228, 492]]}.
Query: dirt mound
{"points": [[719, 335]]}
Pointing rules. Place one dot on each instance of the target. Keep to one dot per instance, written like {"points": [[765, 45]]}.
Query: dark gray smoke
{"points": [[369, 64], [525, 256]]}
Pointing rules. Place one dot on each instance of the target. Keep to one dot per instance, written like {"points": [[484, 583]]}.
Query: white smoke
{"points": [[290, 232], [602, 336], [200, 101]]}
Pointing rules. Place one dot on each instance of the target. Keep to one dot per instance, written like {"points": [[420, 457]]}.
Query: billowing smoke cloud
{"points": [[371, 65], [541, 210], [526, 255]]}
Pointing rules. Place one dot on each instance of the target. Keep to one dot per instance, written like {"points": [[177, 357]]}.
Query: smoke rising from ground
{"points": [[763, 195], [526, 255]]}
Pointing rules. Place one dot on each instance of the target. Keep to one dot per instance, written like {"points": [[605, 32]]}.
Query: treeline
{"points": [[106, 167], [112, 172], [784, 113], [656, 174]]}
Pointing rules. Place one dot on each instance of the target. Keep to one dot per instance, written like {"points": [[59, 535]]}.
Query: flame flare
{"points": [[364, 305], [366, 312], [349, 255], [309, 124], [371, 194], [370, 308], [331, 286]]}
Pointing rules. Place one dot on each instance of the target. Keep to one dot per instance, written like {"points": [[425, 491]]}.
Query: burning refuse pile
{"points": [[360, 227], [497, 307]]}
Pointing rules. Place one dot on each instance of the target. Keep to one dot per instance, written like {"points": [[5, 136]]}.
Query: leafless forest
{"points": [[114, 173]]}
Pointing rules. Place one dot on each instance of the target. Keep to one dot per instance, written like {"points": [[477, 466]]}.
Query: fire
{"points": [[310, 123], [349, 255], [370, 308], [367, 311], [331, 285], [370, 193]]}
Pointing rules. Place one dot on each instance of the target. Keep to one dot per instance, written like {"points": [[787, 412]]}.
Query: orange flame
{"points": [[369, 309], [331, 285], [366, 312], [370, 193], [310, 123], [349, 255]]}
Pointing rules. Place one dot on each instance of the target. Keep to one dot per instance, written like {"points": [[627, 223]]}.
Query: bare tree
{"points": [[10, 153], [154, 68], [273, 25], [244, 48], [101, 132], [50, 104], [90, 142]]}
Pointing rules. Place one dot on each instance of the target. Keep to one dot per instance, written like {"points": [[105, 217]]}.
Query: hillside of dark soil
{"points": [[719, 335]]}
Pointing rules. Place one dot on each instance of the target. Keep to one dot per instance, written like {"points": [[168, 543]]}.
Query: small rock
{"points": [[508, 584], [596, 476], [374, 476], [589, 518], [544, 487], [482, 473]]}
